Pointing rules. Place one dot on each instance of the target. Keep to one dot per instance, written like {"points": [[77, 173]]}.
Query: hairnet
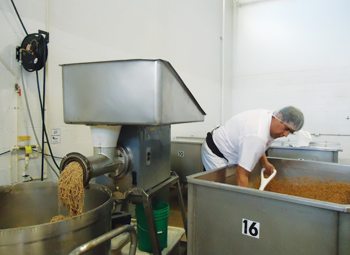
{"points": [[291, 116]]}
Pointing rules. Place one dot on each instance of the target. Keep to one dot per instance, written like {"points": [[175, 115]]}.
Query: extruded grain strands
{"points": [[71, 190], [58, 218]]}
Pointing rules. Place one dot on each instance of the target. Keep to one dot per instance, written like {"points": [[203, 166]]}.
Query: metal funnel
{"points": [[127, 92]]}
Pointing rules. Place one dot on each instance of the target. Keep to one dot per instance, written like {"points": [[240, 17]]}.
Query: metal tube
{"points": [[105, 160], [101, 164], [107, 236]]}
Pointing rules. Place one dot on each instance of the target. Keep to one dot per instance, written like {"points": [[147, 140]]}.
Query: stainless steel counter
{"points": [[317, 151], [186, 156]]}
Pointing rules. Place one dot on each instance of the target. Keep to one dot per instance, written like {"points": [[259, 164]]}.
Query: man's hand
{"points": [[267, 165], [269, 168]]}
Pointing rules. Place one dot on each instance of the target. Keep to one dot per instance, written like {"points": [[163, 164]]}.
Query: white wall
{"points": [[189, 34], [186, 33], [13, 113], [283, 52], [296, 52]]}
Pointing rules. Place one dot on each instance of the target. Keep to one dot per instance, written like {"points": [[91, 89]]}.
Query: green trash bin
{"points": [[161, 215]]}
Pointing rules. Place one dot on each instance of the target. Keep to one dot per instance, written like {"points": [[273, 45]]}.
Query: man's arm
{"points": [[242, 176], [266, 164]]}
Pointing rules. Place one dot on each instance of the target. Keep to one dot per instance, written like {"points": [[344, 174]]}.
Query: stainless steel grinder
{"points": [[130, 105]]}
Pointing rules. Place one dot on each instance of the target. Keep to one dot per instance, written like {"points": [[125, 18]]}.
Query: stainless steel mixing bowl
{"points": [[26, 210]]}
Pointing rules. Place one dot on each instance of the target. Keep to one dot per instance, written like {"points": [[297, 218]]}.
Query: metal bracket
{"points": [[138, 195]]}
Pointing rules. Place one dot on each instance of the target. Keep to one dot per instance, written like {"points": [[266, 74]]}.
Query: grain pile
{"points": [[58, 218], [329, 191], [71, 191]]}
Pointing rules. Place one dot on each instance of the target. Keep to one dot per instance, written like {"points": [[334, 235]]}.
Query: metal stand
{"points": [[139, 195]]}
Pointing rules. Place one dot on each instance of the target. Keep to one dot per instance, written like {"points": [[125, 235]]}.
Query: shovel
{"points": [[265, 181]]}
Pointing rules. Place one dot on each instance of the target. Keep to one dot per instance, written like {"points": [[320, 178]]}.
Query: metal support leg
{"points": [[138, 195], [182, 205], [147, 205]]}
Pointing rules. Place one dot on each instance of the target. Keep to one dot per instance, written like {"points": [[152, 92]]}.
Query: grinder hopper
{"points": [[127, 92]]}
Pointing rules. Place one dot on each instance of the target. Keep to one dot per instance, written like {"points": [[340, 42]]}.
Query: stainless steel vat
{"points": [[27, 208], [185, 158], [317, 151], [226, 219]]}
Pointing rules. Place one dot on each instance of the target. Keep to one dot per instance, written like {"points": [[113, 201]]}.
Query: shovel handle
{"points": [[265, 181]]}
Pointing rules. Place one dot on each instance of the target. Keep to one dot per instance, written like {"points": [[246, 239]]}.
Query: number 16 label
{"points": [[250, 228]]}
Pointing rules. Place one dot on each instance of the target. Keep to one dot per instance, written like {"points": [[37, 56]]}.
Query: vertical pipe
{"points": [[42, 104], [222, 62], [228, 12], [235, 6]]}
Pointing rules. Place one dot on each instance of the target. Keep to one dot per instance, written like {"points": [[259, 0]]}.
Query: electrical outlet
{"points": [[55, 139]]}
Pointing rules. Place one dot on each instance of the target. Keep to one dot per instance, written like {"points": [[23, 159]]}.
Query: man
{"points": [[244, 138]]}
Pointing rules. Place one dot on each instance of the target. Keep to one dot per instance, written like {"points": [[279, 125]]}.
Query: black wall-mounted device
{"points": [[32, 53]]}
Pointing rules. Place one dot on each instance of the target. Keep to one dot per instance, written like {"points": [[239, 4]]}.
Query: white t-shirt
{"points": [[245, 137]]}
